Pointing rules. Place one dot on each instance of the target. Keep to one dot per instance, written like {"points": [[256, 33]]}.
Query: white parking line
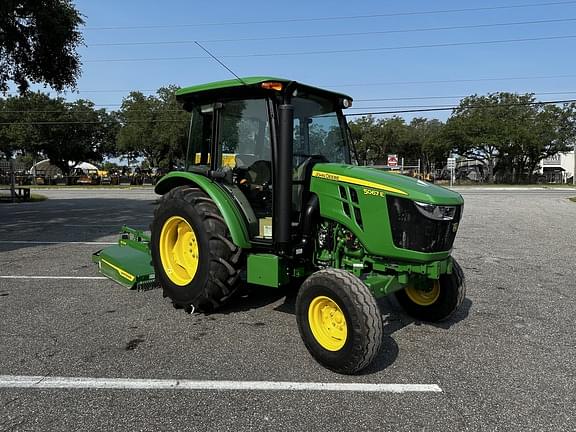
{"points": [[55, 242], [40, 382], [81, 225], [55, 277]]}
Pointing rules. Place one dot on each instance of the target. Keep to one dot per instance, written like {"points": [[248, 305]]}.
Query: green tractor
{"points": [[271, 196]]}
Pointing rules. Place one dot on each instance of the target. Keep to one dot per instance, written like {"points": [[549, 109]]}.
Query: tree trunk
{"points": [[12, 181], [490, 174], [532, 168]]}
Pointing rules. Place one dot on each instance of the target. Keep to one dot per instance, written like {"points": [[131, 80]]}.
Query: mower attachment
{"points": [[128, 263]]}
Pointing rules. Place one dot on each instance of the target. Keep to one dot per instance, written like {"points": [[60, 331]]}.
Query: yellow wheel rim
{"points": [[328, 323], [179, 250], [422, 297]]}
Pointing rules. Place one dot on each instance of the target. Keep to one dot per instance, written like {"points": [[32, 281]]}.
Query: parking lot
{"points": [[505, 362]]}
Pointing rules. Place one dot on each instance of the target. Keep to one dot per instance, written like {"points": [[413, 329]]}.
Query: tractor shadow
{"points": [[394, 319], [251, 297]]}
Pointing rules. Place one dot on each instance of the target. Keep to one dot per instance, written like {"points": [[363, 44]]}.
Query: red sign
{"points": [[392, 160]]}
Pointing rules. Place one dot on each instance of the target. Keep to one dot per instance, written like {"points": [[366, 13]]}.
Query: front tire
{"points": [[439, 302], [194, 258], [339, 320]]}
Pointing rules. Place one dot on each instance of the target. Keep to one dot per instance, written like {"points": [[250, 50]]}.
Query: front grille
{"points": [[414, 231]]}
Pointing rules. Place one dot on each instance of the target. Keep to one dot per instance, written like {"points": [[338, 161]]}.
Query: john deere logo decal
{"points": [[356, 181]]}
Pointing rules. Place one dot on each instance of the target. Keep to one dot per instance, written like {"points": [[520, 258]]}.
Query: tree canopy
{"points": [[38, 42], [508, 133], [155, 127], [65, 132], [419, 139]]}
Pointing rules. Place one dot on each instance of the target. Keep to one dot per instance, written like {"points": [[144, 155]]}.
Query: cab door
{"points": [[244, 152]]}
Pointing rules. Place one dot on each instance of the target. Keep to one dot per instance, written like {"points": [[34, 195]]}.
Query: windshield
{"points": [[319, 130]]}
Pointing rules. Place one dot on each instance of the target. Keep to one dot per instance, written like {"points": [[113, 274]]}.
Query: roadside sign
{"points": [[451, 165], [392, 160]]}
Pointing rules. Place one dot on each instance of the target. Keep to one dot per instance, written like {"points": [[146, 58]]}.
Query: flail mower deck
{"points": [[128, 263]]}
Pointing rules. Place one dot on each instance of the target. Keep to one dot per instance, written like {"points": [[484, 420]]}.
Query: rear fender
{"points": [[230, 211]]}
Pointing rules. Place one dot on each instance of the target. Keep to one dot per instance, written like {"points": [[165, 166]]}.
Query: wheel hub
{"points": [[424, 297], [179, 252], [327, 323]]}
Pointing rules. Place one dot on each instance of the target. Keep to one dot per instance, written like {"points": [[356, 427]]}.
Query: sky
{"points": [[369, 49]]}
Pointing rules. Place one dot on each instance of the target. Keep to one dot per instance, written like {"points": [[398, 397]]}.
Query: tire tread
{"points": [[224, 254], [369, 320]]}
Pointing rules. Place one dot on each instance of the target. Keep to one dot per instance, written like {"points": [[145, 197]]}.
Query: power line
{"points": [[403, 107], [341, 51], [352, 108], [114, 91], [335, 18], [67, 122], [81, 111], [439, 108], [450, 97], [471, 80], [330, 35], [513, 78], [450, 108]]}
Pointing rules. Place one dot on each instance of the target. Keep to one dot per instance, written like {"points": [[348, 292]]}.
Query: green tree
{"points": [[154, 127], [508, 132], [548, 135], [426, 136], [75, 133], [64, 132], [375, 139], [83, 134], [138, 120], [363, 132], [173, 131], [475, 129], [38, 42], [18, 133]]}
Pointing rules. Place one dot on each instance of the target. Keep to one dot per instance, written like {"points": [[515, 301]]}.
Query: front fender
{"points": [[228, 208]]}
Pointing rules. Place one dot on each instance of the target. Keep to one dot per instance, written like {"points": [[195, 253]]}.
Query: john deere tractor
{"points": [[271, 196]]}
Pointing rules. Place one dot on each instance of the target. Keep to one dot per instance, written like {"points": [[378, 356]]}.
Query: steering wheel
{"points": [[318, 158]]}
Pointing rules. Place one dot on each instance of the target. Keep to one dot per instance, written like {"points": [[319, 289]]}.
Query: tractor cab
{"points": [[236, 139]]}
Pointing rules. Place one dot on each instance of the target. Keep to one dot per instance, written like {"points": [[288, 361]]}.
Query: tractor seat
{"points": [[254, 176], [260, 172]]}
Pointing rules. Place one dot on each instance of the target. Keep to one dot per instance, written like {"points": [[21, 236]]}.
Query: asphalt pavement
{"points": [[505, 362]]}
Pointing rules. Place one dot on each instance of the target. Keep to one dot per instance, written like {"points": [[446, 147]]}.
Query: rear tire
{"points": [[193, 255], [339, 320], [438, 304]]}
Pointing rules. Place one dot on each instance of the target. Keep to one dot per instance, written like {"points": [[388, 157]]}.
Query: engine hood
{"points": [[387, 182]]}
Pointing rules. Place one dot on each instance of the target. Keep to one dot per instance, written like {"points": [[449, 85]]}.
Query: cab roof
{"points": [[230, 87]]}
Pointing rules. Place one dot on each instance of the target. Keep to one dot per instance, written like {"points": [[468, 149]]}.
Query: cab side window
{"points": [[200, 137], [245, 148]]}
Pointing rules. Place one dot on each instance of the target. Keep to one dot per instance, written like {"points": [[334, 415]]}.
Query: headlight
{"points": [[436, 212], [422, 227]]}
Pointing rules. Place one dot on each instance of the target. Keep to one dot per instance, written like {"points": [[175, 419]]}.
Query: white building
{"points": [[558, 168]]}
